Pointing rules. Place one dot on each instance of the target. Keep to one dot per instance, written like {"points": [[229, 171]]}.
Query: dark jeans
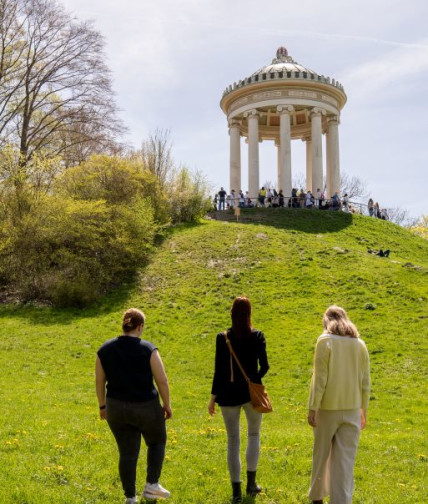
{"points": [[128, 421]]}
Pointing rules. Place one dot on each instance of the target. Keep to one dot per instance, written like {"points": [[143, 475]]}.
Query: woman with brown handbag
{"points": [[230, 391]]}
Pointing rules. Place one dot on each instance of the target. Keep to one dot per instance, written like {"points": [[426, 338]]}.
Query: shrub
{"points": [[188, 196], [70, 252], [118, 181]]}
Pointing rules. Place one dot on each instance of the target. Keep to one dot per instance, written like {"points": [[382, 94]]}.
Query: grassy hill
{"points": [[292, 264]]}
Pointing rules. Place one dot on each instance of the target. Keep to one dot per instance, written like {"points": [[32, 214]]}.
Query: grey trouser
{"points": [[231, 416], [128, 421], [336, 439]]}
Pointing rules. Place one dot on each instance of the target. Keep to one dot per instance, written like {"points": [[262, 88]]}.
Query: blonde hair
{"points": [[132, 318], [336, 321]]}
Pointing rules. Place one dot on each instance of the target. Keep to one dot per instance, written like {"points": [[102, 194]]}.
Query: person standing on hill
{"points": [[262, 196], [222, 198], [370, 206], [126, 366], [338, 402], [230, 391]]}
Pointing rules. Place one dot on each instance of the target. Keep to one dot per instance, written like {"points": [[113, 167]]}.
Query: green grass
{"points": [[292, 265]]}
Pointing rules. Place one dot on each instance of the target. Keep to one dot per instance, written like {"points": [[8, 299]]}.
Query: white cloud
{"points": [[398, 66]]}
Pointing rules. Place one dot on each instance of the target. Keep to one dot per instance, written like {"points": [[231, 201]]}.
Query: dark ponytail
{"points": [[241, 316]]}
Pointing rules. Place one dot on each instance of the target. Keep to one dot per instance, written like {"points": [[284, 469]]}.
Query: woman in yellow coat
{"points": [[338, 402]]}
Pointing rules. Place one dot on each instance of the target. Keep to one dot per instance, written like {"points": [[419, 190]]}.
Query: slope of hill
{"points": [[292, 265]]}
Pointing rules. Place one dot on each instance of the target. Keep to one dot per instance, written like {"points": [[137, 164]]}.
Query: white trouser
{"points": [[336, 439]]}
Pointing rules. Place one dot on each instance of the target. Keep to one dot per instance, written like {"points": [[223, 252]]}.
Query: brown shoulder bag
{"points": [[258, 394]]}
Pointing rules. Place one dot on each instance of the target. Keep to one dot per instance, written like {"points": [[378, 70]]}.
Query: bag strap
{"points": [[232, 352]]}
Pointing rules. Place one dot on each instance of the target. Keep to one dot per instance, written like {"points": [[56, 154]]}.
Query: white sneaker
{"points": [[155, 491], [131, 500]]}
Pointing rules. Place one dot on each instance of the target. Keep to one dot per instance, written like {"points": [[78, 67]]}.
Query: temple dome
{"points": [[284, 67], [283, 63]]}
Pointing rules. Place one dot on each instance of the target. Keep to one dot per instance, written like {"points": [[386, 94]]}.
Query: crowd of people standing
{"points": [[299, 198], [375, 211]]}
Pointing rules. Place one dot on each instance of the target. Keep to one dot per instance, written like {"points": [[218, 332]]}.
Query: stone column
{"points": [[316, 149], [235, 156], [333, 161], [253, 153], [278, 162], [308, 163], [284, 176]]}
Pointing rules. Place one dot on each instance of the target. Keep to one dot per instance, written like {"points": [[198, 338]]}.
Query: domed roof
{"points": [[283, 63], [283, 67]]}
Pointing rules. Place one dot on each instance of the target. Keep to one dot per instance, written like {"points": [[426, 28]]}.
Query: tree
{"points": [[401, 217], [421, 227], [353, 186], [55, 89], [156, 155]]}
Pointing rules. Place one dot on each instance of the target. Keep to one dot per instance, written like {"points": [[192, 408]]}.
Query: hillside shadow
{"points": [[38, 313], [295, 219]]}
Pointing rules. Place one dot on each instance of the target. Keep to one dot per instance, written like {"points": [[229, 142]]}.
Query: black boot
{"points": [[237, 494], [252, 487], [317, 502]]}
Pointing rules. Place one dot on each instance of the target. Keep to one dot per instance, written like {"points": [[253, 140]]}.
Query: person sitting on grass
{"points": [[126, 366], [380, 253]]}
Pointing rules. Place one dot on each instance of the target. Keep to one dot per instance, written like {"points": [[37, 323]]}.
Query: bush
{"points": [[118, 181], [70, 252], [188, 196]]}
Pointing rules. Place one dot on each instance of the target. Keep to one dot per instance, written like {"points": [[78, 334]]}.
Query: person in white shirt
{"points": [[241, 199], [338, 402], [345, 202]]}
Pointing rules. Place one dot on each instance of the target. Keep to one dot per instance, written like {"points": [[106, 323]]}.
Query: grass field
{"points": [[292, 265]]}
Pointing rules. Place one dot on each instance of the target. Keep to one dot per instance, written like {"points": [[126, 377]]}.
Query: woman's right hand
{"points": [[167, 412], [312, 418], [211, 406]]}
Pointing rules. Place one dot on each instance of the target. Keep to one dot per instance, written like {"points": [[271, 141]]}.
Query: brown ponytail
{"points": [[132, 318]]}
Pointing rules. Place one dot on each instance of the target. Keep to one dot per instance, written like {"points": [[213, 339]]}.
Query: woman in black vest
{"points": [[129, 401], [230, 391]]}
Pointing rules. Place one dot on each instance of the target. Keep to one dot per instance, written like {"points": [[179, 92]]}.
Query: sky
{"points": [[172, 59]]}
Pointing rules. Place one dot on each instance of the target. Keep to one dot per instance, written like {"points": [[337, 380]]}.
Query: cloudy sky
{"points": [[172, 59]]}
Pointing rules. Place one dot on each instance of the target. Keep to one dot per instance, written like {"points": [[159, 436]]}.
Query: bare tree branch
{"points": [[53, 79]]}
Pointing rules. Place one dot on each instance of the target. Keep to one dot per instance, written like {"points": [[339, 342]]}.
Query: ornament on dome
{"points": [[282, 51], [282, 56]]}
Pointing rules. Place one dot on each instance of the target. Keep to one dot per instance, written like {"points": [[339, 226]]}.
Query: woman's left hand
{"points": [[103, 414]]}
